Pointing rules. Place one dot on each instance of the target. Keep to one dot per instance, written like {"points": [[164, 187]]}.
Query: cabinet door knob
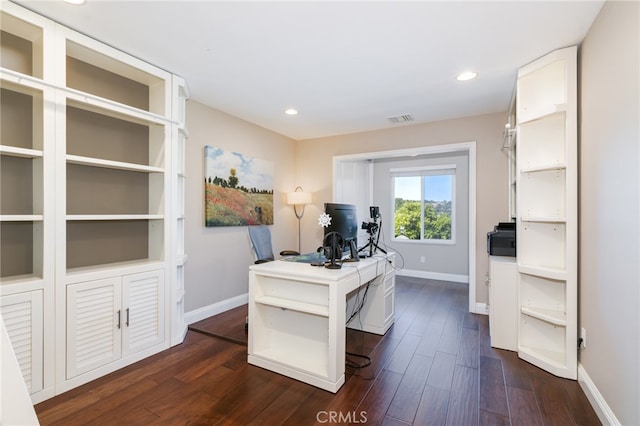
{"points": [[118, 313], [127, 320]]}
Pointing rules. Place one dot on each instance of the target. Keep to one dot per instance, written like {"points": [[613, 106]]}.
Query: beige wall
{"points": [[609, 207], [314, 162], [218, 257], [216, 269]]}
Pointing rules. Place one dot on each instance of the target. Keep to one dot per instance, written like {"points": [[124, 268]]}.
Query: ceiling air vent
{"points": [[401, 118]]}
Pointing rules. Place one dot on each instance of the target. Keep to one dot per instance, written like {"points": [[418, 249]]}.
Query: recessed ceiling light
{"points": [[467, 75], [291, 111], [75, 1]]}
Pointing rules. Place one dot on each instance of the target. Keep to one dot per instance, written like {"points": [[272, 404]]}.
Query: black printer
{"points": [[502, 240]]}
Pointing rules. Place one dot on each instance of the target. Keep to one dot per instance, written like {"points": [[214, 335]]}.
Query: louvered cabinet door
{"points": [[143, 299], [94, 323], [22, 316]]}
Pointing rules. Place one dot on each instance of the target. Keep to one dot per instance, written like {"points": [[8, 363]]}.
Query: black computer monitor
{"points": [[344, 221]]}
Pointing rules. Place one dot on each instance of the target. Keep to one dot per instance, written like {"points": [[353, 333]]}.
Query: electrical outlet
{"points": [[583, 338], [423, 259]]}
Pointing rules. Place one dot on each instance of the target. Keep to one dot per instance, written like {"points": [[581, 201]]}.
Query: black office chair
{"points": [[260, 237]]}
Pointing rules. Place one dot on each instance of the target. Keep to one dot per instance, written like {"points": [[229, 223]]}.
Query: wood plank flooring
{"points": [[435, 366]]}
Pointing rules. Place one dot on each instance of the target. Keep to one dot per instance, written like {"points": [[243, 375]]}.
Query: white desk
{"points": [[297, 315]]}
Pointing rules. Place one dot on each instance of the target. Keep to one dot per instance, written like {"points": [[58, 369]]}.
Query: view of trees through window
{"points": [[423, 207]]}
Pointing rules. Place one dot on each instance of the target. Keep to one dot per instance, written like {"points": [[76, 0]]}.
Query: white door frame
{"points": [[470, 149]]}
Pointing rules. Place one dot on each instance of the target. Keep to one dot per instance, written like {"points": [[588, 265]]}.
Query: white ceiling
{"points": [[346, 66]]}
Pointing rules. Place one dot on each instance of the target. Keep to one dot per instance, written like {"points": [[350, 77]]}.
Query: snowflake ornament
{"points": [[324, 220]]}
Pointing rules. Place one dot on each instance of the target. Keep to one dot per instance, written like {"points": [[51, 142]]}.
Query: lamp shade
{"points": [[298, 198]]}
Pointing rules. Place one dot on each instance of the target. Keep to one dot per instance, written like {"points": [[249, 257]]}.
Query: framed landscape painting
{"points": [[238, 190]]}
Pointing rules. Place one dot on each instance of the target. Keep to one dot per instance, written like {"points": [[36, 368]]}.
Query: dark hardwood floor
{"points": [[435, 366]]}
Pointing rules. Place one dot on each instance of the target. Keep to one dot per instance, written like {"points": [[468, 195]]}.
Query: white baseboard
{"points": [[179, 334], [215, 309], [434, 275], [481, 308], [600, 406]]}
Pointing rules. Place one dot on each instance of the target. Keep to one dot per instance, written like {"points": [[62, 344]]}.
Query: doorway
{"points": [[352, 173]]}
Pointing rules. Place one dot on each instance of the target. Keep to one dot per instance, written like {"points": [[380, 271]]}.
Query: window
{"points": [[424, 203]]}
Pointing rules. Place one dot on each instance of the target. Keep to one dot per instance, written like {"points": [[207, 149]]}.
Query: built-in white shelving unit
{"points": [[92, 210], [546, 179], [27, 202], [180, 94]]}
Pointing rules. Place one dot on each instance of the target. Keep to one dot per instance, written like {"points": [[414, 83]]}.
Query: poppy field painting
{"points": [[238, 190]]}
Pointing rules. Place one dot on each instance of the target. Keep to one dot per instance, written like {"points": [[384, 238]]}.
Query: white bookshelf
{"points": [[27, 163], [178, 258], [89, 150], [546, 178]]}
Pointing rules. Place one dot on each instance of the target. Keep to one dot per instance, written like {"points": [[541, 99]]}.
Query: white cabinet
{"points": [[17, 407], [94, 322], [22, 316], [112, 318], [503, 302], [143, 311], [547, 212], [27, 220], [373, 317], [92, 197]]}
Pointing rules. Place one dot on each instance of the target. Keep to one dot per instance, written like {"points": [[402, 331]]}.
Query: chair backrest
{"points": [[261, 241]]}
